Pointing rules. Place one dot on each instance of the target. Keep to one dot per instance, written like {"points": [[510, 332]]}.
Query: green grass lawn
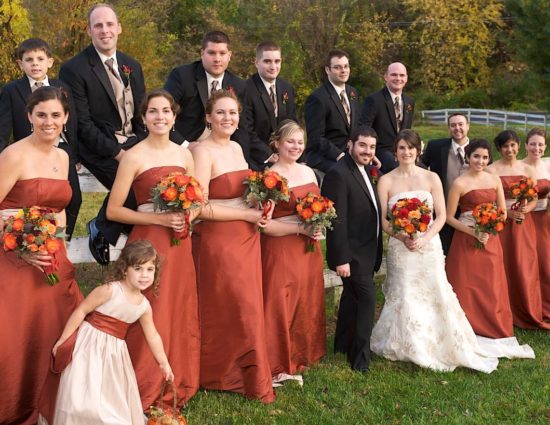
{"points": [[392, 393]]}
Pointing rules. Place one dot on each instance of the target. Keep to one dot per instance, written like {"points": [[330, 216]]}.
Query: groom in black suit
{"points": [[107, 88], [354, 246], [331, 114], [192, 84], [446, 158], [269, 101], [388, 111]]}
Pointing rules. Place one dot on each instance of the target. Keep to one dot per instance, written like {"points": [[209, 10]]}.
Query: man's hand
{"points": [[343, 270]]}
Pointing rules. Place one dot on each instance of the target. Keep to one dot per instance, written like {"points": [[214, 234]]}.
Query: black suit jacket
{"points": [[188, 85], [13, 118], [378, 112], [95, 103], [260, 116], [327, 127], [436, 157], [353, 239]]}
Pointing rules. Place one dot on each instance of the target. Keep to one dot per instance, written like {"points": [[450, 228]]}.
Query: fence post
{"points": [[505, 120]]}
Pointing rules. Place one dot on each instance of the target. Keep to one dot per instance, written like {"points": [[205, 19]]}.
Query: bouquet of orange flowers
{"points": [[523, 192], [178, 192], [488, 219], [410, 216], [315, 211], [35, 229], [263, 186]]}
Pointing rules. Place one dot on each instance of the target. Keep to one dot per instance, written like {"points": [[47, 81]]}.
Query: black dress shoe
{"points": [[99, 247]]}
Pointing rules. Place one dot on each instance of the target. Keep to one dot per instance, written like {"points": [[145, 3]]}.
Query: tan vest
{"points": [[454, 169], [125, 104]]}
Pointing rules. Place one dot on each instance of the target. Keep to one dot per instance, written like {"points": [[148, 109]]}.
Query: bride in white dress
{"points": [[422, 321]]}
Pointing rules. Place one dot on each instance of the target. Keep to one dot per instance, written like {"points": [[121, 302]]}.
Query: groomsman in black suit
{"points": [[269, 101], [388, 111], [108, 88], [192, 84], [331, 114], [35, 59], [354, 246], [446, 158]]}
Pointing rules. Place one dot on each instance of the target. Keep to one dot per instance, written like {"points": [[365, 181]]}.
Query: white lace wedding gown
{"points": [[422, 321]]}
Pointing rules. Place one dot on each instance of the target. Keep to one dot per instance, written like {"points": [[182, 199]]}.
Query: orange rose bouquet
{"points": [[523, 192], [35, 230], [178, 192], [263, 186], [488, 219], [410, 216], [315, 211]]}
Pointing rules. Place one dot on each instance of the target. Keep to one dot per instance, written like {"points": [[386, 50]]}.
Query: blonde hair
{"points": [[283, 132]]}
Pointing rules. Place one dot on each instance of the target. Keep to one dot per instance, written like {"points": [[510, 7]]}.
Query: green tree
{"points": [[14, 28]]}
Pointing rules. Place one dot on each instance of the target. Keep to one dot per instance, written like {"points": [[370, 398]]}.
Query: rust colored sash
{"points": [[108, 324]]}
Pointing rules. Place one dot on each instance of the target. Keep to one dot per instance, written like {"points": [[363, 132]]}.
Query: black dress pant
{"points": [[72, 209]]}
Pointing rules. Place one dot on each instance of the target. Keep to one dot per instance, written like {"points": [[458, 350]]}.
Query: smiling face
{"points": [[215, 58], [292, 147], [458, 128], [396, 77], [536, 145], [48, 118], [509, 150], [104, 29], [479, 159], [269, 65], [159, 117], [224, 117], [338, 71], [406, 154], [140, 276], [363, 149], [35, 64]]}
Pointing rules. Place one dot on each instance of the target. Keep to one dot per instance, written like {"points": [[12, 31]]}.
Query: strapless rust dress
{"points": [[542, 230], [294, 295], [478, 276], [519, 245], [229, 279], [33, 314], [175, 310]]}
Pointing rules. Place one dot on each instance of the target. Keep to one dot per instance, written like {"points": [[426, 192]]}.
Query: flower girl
{"points": [[99, 385]]}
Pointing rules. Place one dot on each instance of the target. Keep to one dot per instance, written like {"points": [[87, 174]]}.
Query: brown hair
{"points": [[31, 44], [535, 132], [505, 136], [335, 53], [411, 138], [266, 46], [477, 144], [220, 94], [283, 132], [457, 114], [97, 6], [134, 254], [45, 93], [158, 93], [215, 37]]}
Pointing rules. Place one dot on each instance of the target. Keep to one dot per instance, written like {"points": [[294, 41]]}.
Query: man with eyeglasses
{"points": [[389, 111], [331, 114]]}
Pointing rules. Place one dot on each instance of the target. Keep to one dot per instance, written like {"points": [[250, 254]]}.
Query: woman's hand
{"points": [[37, 259], [314, 232], [482, 237], [415, 244], [174, 220], [266, 214], [56, 346], [167, 372]]}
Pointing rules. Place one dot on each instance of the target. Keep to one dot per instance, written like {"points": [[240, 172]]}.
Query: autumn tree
{"points": [[14, 28]]}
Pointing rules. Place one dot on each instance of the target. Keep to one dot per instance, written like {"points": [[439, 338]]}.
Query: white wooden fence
{"points": [[506, 119]]}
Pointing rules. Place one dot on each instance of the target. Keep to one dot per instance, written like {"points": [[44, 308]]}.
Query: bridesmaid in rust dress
{"points": [[293, 284], [478, 276], [518, 239], [34, 172], [226, 249], [175, 307], [536, 144]]}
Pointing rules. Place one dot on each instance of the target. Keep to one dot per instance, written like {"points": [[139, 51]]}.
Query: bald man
{"points": [[389, 111]]}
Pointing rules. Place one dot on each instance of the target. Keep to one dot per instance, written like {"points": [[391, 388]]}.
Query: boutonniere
{"points": [[408, 108], [374, 174], [126, 70], [285, 97], [353, 95]]}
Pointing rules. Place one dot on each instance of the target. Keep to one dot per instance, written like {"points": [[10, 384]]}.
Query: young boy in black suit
{"points": [[35, 59]]}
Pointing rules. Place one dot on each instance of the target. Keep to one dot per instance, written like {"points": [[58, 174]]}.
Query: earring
{"points": [[145, 129], [65, 128], [32, 127], [174, 127], [209, 126]]}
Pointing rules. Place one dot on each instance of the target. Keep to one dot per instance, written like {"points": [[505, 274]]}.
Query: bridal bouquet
{"points": [[488, 219], [263, 186], [410, 216], [178, 192], [523, 192], [315, 211], [35, 230]]}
